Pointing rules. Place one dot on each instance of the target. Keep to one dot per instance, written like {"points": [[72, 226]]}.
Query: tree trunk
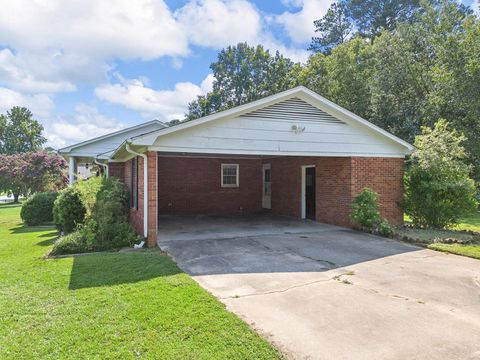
{"points": [[15, 198]]}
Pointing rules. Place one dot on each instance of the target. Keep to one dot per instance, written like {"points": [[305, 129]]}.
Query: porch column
{"points": [[152, 199], [71, 170]]}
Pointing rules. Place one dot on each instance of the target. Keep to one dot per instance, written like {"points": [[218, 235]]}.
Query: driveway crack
{"points": [[336, 277]]}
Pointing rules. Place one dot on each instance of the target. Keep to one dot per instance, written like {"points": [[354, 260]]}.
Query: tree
{"points": [[243, 74], [19, 132], [334, 28], [372, 16], [343, 76], [439, 190], [26, 173]]}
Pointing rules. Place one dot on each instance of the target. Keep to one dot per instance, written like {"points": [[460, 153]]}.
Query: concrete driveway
{"points": [[323, 292]]}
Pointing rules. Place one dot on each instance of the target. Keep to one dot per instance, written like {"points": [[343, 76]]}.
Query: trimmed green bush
{"points": [[38, 208], [366, 215], [69, 211]]}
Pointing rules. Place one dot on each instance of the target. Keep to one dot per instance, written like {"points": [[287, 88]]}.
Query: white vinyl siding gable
{"points": [[290, 127]]}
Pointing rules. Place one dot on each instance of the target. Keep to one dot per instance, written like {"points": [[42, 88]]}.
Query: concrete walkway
{"points": [[326, 292]]}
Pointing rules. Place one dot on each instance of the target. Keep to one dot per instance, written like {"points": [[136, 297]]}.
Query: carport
{"points": [[293, 154]]}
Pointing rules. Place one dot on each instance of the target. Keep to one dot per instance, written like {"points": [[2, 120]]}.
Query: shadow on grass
{"points": [[119, 268], [23, 229], [10, 204], [48, 242]]}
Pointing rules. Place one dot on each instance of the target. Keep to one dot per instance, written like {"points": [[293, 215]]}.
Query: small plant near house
{"points": [[38, 208], [69, 211], [366, 215]]}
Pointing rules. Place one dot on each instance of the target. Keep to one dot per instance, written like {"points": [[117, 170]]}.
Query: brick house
{"points": [[294, 153]]}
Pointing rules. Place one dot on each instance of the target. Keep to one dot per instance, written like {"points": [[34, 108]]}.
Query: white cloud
{"points": [[299, 25], [32, 73], [165, 105], [126, 29], [58, 43], [85, 124], [40, 104], [216, 23]]}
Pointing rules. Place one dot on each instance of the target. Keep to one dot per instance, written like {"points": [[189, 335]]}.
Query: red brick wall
{"points": [[189, 185], [152, 198], [338, 180], [116, 170], [384, 176]]}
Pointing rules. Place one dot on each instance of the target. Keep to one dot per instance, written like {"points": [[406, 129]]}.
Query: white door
{"points": [[267, 187]]}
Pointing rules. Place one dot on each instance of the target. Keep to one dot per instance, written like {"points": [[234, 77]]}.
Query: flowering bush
{"points": [[31, 172]]}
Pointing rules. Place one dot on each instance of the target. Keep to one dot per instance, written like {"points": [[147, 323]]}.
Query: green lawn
{"points": [[112, 305], [468, 224]]}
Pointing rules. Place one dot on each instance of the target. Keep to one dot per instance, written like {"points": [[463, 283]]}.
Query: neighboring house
{"points": [[294, 153], [97, 151]]}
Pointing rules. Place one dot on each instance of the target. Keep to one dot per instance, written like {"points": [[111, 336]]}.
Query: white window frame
{"points": [[237, 184]]}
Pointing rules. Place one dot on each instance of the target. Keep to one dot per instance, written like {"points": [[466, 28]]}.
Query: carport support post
{"points": [[152, 159], [71, 170]]}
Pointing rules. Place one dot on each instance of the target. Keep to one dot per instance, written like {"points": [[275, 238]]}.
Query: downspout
{"points": [[145, 188], [105, 166]]}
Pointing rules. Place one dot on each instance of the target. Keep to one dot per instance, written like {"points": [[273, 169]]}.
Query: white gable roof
{"points": [[294, 122], [104, 146]]}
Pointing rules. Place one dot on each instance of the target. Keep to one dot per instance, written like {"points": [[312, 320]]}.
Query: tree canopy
{"points": [[242, 74], [423, 65], [26, 173], [19, 132]]}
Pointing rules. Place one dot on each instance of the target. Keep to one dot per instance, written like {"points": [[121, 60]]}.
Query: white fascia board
{"points": [[272, 153]]}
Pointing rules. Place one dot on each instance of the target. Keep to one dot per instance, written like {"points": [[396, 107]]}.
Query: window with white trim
{"points": [[230, 175]]}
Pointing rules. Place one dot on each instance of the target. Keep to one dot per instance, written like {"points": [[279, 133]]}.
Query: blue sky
{"points": [[90, 67]]}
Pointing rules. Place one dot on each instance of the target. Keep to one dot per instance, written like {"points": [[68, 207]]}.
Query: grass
{"points": [[471, 224], [108, 306], [470, 250]]}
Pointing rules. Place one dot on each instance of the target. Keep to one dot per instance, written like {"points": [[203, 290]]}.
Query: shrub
{"points": [[365, 213], [73, 243], [69, 211], [38, 208], [385, 229], [88, 190], [106, 226], [438, 189]]}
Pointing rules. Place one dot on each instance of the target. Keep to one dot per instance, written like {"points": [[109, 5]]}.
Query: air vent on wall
{"points": [[293, 109]]}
